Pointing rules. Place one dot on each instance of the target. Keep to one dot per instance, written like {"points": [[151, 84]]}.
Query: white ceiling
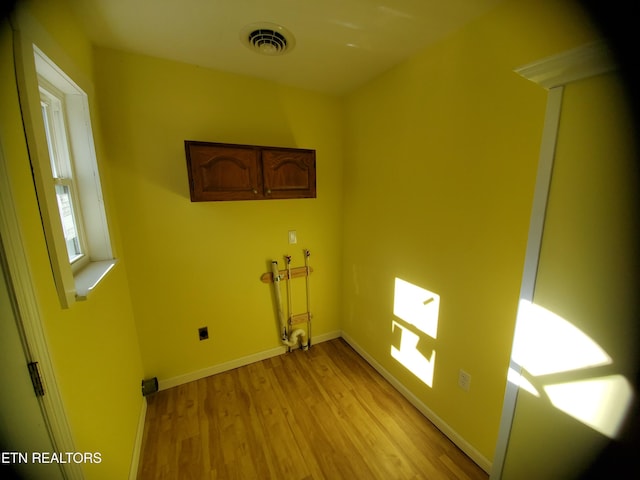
{"points": [[339, 44]]}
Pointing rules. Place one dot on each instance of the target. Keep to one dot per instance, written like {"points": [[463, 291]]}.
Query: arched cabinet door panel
{"points": [[289, 173], [223, 172]]}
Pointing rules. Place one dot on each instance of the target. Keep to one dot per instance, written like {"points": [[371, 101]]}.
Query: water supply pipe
{"points": [[276, 286], [290, 340], [307, 254]]}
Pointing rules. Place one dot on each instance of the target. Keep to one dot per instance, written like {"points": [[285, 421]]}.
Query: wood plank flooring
{"points": [[320, 414]]}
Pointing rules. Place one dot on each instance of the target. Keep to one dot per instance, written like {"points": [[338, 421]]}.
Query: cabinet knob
{"points": [[269, 192], [255, 191]]}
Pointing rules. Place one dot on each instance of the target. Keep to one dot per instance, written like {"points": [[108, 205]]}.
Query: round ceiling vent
{"points": [[267, 38]]}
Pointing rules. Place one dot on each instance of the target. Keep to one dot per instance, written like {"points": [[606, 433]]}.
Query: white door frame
{"points": [[31, 329], [551, 73]]}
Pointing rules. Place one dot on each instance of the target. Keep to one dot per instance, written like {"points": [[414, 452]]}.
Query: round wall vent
{"points": [[267, 38]]}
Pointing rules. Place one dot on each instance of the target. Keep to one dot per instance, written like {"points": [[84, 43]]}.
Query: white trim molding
{"points": [[583, 62], [551, 73], [534, 242], [137, 446]]}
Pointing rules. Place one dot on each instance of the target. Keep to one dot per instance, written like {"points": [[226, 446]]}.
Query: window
{"points": [[52, 105], [68, 182]]}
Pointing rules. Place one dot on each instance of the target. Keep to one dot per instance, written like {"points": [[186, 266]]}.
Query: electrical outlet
{"points": [[464, 380], [203, 333], [293, 237]]}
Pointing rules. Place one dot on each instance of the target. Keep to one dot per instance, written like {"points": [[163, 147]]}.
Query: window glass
{"points": [[51, 102], [69, 225]]}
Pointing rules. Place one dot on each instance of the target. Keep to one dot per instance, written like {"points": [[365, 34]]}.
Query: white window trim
{"points": [[71, 285], [64, 170]]}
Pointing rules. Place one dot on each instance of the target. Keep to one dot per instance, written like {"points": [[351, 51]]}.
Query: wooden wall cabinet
{"points": [[223, 171]]}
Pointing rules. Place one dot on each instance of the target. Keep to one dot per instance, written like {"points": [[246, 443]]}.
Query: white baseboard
{"points": [[137, 447], [326, 337], [164, 384], [458, 440]]}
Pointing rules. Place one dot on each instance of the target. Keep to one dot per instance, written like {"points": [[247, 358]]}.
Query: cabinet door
{"points": [[223, 172], [289, 173]]}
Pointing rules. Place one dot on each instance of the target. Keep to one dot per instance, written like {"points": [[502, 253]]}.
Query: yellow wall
{"points": [[199, 264], [442, 154], [438, 157], [93, 345]]}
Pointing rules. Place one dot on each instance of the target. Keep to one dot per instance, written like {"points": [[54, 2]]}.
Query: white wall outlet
{"points": [[464, 380], [293, 237]]}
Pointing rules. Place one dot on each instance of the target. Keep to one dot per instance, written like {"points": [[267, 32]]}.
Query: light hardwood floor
{"points": [[320, 414]]}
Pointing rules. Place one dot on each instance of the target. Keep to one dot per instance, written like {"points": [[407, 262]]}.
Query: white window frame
{"points": [[75, 279], [54, 115]]}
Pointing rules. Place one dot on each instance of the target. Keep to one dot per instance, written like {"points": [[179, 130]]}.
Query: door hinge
{"points": [[36, 380]]}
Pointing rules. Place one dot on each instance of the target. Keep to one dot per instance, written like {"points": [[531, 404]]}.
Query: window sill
{"points": [[89, 277]]}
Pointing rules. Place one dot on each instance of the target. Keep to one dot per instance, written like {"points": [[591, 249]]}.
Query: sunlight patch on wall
{"points": [[546, 344], [419, 308], [409, 356], [600, 403]]}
